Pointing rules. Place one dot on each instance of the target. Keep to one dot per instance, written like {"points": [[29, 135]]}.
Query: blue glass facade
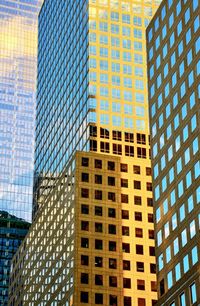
{"points": [[12, 232], [62, 84], [61, 119], [18, 45], [174, 92]]}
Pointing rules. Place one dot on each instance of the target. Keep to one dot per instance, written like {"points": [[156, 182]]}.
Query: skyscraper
{"points": [[92, 241], [173, 69], [18, 58]]}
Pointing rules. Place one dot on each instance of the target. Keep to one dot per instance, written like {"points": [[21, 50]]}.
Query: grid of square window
{"points": [[115, 231], [173, 69], [117, 63]]}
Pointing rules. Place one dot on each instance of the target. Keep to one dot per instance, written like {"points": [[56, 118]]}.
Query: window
{"points": [[111, 165], [137, 200], [126, 282], [112, 263], [182, 299], [140, 266], [124, 167], [125, 214], [84, 260], [112, 229], [98, 279], [129, 137], [98, 244], [98, 194], [140, 284], [111, 212], [103, 26], [112, 246], [153, 286], [98, 179], [127, 301], [136, 184], [84, 242], [99, 298], [149, 186], [104, 147], [169, 280], [117, 135], [85, 161], [162, 287], [98, 211], [141, 302], [117, 149], [153, 268], [116, 107], [138, 216], [141, 138], [126, 265], [125, 230], [84, 278], [93, 131], [85, 225], [193, 293], [139, 249], [138, 232], [104, 133], [141, 152], [150, 218], [84, 297], [98, 262], [113, 300], [84, 193], [129, 151], [151, 234], [124, 183], [84, 209], [126, 247], [148, 171], [98, 164], [151, 251], [112, 281], [124, 198], [98, 227], [114, 16], [111, 196], [111, 181]]}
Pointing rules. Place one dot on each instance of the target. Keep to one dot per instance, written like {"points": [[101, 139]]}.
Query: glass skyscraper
{"points": [[91, 72], [18, 58], [173, 42]]}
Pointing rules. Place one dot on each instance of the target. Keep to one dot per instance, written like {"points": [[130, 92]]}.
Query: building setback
{"points": [[173, 44], [92, 240]]}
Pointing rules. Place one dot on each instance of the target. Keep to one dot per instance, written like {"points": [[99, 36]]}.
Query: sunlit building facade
{"points": [[18, 58], [92, 241], [173, 41]]}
